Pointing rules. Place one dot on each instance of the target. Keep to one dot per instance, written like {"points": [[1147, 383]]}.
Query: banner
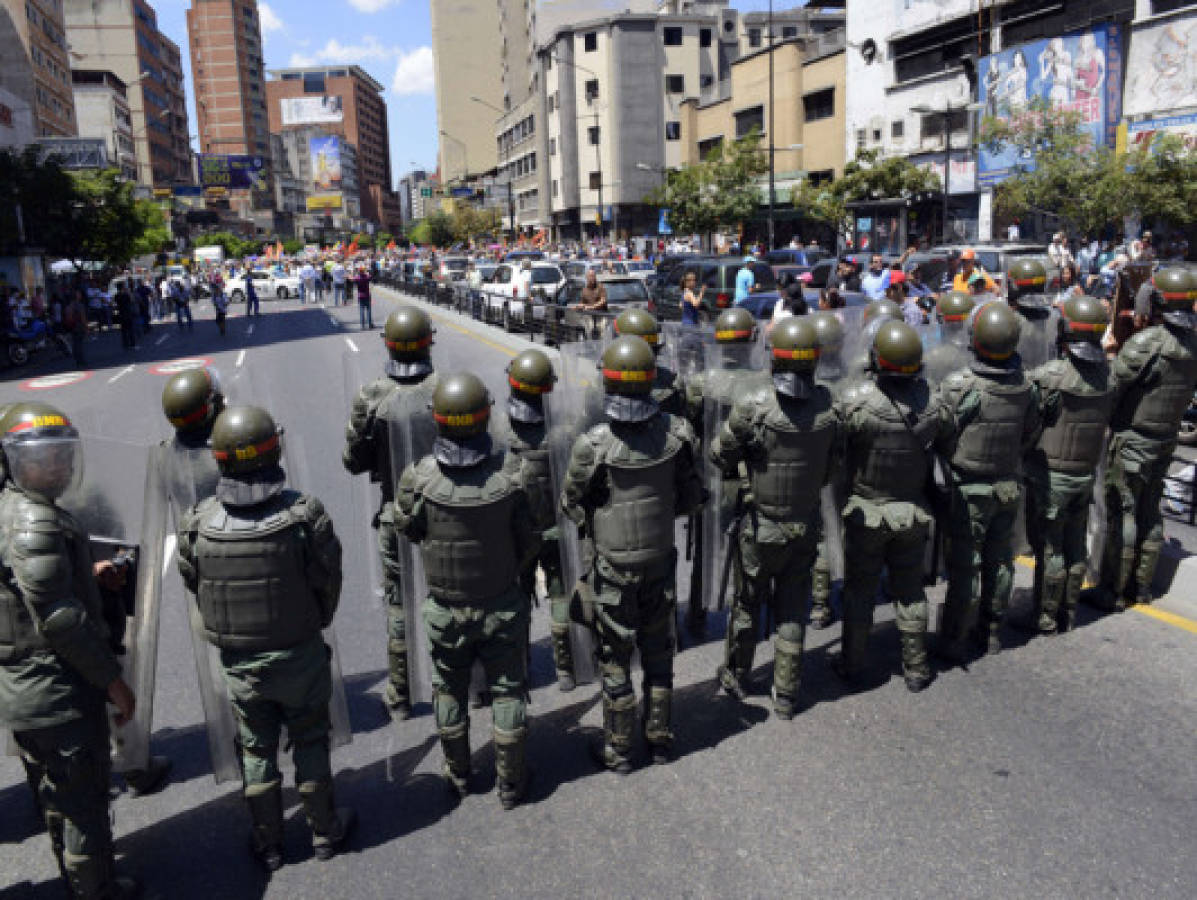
{"points": [[326, 110], [324, 201], [1146, 134], [1162, 68], [1081, 72], [224, 171], [325, 153]]}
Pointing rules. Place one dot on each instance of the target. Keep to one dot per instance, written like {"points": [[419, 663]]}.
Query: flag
{"points": [[392, 246], [278, 248], [352, 249]]}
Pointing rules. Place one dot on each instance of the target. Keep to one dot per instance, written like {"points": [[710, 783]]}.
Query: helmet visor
{"points": [[46, 465]]}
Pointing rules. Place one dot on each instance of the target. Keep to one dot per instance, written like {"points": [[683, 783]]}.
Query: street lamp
{"points": [[510, 199], [772, 187], [945, 113]]}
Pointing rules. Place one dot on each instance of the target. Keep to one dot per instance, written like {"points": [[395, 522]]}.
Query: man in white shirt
{"points": [[307, 288], [338, 279], [1058, 251]]}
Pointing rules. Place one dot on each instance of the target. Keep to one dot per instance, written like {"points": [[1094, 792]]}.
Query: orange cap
{"points": [[969, 253]]}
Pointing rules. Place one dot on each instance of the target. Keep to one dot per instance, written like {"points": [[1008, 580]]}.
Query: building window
{"points": [[313, 82], [876, 135], [592, 135], [554, 187], [860, 138], [552, 146], [748, 119], [596, 180], [823, 176], [897, 129], [704, 37], [590, 41], [939, 49], [675, 84], [592, 90], [819, 105], [709, 146], [705, 81], [673, 37], [1164, 6], [754, 37], [673, 131], [789, 31]]}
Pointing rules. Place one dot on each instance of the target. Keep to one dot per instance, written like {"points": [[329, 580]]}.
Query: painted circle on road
{"points": [[48, 382], [180, 365]]}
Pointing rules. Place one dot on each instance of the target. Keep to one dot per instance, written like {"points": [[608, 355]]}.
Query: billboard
{"points": [[219, 170], [326, 110], [325, 154], [324, 201], [1081, 72], [1144, 134], [1162, 68]]}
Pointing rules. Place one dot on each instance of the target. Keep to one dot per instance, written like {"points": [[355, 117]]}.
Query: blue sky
{"points": [[390, 39]]}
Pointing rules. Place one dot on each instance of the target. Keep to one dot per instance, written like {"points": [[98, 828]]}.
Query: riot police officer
{"points": [[467, 509], [995, 415], [891, 420], [628, 479], [831, 371], [407, 384], [1076, 397], [1154, 378], [950, 353], [530, 376], [264, 565], [669, 388], [191, 401], [56, 665], [783, 436], [1025, 281]]}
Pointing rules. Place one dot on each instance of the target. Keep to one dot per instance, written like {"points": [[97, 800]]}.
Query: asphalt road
{"points": [[1061, 768]]}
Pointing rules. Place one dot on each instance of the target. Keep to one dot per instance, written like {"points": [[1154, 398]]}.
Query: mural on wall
{"points": [[1163, 67]]}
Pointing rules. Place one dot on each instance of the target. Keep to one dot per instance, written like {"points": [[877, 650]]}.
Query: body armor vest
{"points": [[634, 527], [1073, 443], [469, 549], [530, 445], [253, 592], [796, 438], [1159, 404], [990, 445], [890, 461]]}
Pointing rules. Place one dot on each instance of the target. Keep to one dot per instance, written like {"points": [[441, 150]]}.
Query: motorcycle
{"points": [[22, 343]]}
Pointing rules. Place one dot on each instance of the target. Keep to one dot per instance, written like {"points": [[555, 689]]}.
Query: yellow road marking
{"points": [[468, 333]]}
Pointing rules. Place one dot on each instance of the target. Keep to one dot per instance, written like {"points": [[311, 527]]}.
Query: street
{"points": [[1062, 767]]}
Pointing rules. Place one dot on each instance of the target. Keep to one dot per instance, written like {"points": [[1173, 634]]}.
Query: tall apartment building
{"points": [[102, 108], [122, 37], [33, 35], [228, 76], [346, 101]]}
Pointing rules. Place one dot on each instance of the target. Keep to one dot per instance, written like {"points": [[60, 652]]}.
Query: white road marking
{"points": [[240, 358], [352, 345], [168, 550], [121, 374], [161, 339], [249, 330]]}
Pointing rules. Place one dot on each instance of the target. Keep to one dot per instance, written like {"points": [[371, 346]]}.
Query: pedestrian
{"points": [[57, 668], [691, 301], [1058, 251], [365, 310], [264, 566], [74, 319], [143, 295], [125, 316], [877, 280], [252, 307], [338, 281], [182, 301], [745, 281], [164, 297], [220, 303], [307, 287]]}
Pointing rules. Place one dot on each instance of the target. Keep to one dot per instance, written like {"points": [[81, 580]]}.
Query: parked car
{"points": [[718, 274], [452, 268], [790, 256], [623, 291], [507, 287], [266, 285], [517, 256], [996, 259]]}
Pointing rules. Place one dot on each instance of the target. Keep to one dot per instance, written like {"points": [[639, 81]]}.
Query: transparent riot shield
{"points": [[833, 372], [572, 408], [120, 505], [1037, 338], [687, 347], [731, 369], [947, 353], [858, 339]]}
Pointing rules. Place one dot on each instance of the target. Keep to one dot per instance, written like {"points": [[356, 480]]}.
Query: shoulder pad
{"points": [[304, 507]]}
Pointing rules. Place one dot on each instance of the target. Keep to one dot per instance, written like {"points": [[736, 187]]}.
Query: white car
{"points": [[266, 285], [509, 285]]}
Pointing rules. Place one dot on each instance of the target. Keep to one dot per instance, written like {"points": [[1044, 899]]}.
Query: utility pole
{"points": [[772, 134]]}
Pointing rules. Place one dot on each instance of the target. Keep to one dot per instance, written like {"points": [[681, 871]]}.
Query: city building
{"points": [[122, 37], [345, 101], [327, 169], [415, 194], [922, 73], [102, 111], [228, 76], [35, 64]]}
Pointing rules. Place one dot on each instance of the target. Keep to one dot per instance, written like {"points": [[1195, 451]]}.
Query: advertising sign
{"points": [[325, 110], [1081, 72], [225, 171], [324, 201], [1146, 133], [325, 152], [1162, 68]]}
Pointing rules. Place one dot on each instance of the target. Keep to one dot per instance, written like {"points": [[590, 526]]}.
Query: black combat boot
{"points": [[330, 823], [265, 803]]}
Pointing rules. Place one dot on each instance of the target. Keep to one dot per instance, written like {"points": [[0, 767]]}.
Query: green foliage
{"points": [[234, 246], [868, 177], [469, 223], [719, 193], [157, 235], [1088, 188], [441, 232], [417, 233], [293, 247], [382, 238]]}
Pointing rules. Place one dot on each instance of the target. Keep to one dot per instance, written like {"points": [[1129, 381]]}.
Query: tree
{"points": [[234, 246], [382, 238], [156, 234], [868, 177], [293, 247], [719, 193], [440, 229]]}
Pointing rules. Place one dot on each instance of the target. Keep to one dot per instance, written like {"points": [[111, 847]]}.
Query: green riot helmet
{"points": [[246, 441], [735, 326], [953, 307], [1026, 275], [530, 376], [408, 337], [639, 322], [42, 452], [993, 332], [897, 351], [829, 332], [461, 406], [795, 354], [192, 399], [1083, 323], [880, 309], [629, 368], [1175, 294]]}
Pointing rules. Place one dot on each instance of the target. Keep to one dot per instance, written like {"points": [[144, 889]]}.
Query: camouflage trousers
{"points": [[979, 550], [1134, 487], [1057, 527]]}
